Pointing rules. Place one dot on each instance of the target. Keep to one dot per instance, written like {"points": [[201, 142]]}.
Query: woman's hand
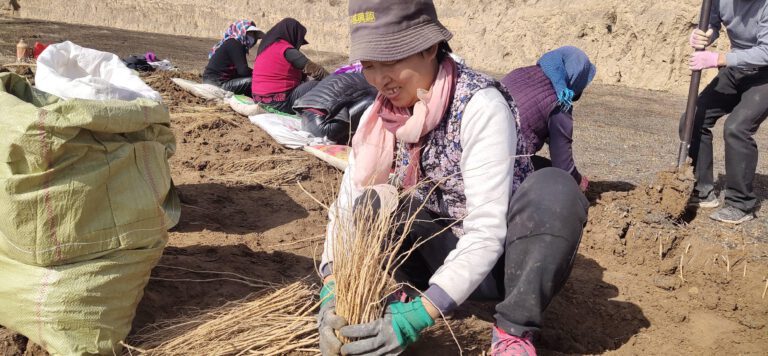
{"points": [[314, 70], [389, 335]]}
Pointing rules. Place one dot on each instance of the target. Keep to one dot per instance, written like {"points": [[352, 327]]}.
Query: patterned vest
{"points": [[442, 186]]}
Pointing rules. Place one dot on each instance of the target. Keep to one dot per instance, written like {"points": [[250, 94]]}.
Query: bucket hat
{"points": [[389, 30]]}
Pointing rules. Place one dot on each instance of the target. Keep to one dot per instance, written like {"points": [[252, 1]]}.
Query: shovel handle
{"points": [[693, 91]]}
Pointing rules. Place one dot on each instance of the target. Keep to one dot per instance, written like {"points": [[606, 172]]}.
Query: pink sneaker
{"points": [[504, 344]]}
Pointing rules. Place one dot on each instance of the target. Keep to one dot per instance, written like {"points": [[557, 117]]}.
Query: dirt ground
{"points": [[644, 282]]}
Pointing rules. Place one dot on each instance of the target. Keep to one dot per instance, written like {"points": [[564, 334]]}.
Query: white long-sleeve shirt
{"points": [[489, 141]]}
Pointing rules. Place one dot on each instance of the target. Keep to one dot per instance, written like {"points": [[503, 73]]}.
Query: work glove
{"points": [[703, 60], [314, 70], [700, 39], [400, 327], [328, 322]]}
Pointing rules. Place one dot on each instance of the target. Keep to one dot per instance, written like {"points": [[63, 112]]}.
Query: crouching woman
{"points": [[498, 237]]}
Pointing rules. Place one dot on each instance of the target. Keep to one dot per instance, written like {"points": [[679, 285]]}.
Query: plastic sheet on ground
{"points": [[205, 91], [286, 130], [244, 105], [70, 71]]}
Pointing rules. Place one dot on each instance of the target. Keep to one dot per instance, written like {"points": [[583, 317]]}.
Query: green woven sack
{"points": [[86, 200]]}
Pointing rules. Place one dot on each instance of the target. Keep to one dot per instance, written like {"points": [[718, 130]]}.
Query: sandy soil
{"points": [[645, 281], [640, 44]]}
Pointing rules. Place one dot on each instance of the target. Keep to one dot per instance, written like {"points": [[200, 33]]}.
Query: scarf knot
{"points": [[570, 71]]}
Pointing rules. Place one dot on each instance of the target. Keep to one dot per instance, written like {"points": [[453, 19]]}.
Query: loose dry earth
{"points": [[644, 282]]}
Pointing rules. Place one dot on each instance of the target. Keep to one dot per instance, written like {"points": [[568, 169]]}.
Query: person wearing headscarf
{"points": [[441, 145], [544, 94], [227, 61], [281, 69], [739, 91]]}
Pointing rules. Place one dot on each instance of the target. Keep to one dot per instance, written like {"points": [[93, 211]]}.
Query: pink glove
{"points": [[584, 184], [700, 39], [703, 60]]}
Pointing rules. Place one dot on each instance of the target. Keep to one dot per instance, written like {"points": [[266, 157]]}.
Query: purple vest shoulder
{"points": [[535, 98]]}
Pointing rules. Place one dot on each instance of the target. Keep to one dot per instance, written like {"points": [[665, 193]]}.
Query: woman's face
{"points": [[399, 80]]}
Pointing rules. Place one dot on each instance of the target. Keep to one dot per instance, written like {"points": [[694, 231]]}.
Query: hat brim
{"points": [[396, 46]]}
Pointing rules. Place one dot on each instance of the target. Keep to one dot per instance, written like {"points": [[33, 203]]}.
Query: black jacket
{"points": [[228, 62]]}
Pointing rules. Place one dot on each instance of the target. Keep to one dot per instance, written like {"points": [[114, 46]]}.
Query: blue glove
{"points": [[389, 335]]}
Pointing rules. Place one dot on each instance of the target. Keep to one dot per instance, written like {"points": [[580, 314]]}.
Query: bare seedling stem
{"points": [[766, 287]]}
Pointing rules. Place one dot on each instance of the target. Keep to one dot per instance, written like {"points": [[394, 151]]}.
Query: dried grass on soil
{"points": [[278, 323], [265, 170]]}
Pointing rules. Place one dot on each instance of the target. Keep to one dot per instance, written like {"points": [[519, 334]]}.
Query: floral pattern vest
{"points": [[442, 185]]}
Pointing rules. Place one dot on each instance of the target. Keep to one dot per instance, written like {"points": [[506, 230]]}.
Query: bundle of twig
{"points": [[366, 254], [276, 323]]}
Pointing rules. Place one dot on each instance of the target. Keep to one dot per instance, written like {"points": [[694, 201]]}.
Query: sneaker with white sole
{"points": [[503, 344], [710, 201], [732, 215]]}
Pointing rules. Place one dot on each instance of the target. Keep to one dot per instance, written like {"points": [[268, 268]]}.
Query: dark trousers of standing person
{"points": [[286, 105], [545, 220], [240, 86], [744, 95]]}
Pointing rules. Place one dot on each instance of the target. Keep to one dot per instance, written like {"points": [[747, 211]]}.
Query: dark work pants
{"points": [[240, 86], [545, 220], [744, 95], [287, 105]]}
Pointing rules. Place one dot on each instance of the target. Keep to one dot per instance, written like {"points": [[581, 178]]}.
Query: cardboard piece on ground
{"points": [[335, 155]]}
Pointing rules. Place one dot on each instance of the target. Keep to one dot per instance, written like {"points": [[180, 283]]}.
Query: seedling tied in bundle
{"points": [[278, 322], [367, 252]]}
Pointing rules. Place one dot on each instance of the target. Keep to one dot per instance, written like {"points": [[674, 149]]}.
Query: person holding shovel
{"points": [[227, 61], [740, 91], [544, 94], [516, 231]]}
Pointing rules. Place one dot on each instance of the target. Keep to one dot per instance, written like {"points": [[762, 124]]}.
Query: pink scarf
{"points": [[374, 142]]}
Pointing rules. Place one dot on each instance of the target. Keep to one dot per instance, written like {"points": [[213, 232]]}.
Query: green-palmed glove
{"points": [[389, 335], [328, 322], [328, 294]]}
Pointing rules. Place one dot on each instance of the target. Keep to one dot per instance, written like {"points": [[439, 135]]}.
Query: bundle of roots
{"points": [[276, 323], [369, 245]]}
